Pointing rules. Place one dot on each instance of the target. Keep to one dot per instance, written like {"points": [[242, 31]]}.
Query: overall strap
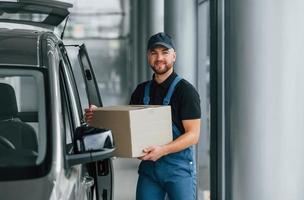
{"points": [[147, 93], [167, 98]]}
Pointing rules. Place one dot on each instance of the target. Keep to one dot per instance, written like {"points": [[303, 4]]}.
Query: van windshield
{"points": [[22, 118]]}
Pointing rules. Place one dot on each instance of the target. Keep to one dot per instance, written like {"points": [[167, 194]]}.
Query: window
{"points": [[23, 129], [66, 113], [204, 91], [71, 106], [71, 88], [78, 77]]}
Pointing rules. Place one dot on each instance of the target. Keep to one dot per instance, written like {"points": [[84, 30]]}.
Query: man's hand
{"points": [[153, 153], [185, 140], [88, 115]]}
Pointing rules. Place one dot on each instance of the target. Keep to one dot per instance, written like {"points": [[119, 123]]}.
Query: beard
{"points": [[161, 70]]}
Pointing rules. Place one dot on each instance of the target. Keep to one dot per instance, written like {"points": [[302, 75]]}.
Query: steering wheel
{"points": [[6, 143]]}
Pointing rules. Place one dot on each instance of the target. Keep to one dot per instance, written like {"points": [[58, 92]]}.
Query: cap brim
{"points": [[162, 44]]}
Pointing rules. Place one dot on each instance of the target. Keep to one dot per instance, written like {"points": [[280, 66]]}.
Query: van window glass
{"points": [[77, 79], [66, 112], [71, 88], [73, 52], [71, 109], [22, 118]]}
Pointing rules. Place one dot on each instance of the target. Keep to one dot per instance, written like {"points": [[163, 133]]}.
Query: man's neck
{"points": [[159, 78]]}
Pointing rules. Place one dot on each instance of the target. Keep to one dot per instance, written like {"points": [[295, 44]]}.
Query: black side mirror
{"points": [[90, 145], [87, 139]]}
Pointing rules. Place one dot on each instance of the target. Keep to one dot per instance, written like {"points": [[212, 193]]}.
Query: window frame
{"points": [[41, 169]]}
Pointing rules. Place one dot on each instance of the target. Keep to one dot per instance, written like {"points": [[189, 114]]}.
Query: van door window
{"points": [[22, 118], [66, 114], [73, 95], [72, 105], [77, 74]]}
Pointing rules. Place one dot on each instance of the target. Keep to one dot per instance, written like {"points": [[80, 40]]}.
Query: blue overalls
{"points": [[174, 173]]}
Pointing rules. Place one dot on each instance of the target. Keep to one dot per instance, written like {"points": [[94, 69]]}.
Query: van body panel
{"points": [[19, 47], [35, 189]]}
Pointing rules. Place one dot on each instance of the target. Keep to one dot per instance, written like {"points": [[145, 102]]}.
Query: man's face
{"points": [[161, 59]]}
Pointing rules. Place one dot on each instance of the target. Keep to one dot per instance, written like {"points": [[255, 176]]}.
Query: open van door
{"points": [[89, 77], [102, 171], [41, 13]]}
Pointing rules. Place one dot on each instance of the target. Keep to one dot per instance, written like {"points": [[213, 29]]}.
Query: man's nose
{"points": [[159, 56]]}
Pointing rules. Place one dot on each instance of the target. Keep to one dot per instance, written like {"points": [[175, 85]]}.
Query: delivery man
{"points": [[170, 168]]}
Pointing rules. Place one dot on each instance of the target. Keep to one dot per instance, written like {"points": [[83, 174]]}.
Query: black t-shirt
{"points": [[185, 101]]}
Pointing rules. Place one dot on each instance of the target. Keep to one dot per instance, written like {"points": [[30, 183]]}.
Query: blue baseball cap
{"points": [[161, 39]]}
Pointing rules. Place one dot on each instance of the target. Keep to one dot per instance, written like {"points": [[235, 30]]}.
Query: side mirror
{"points": [[87, 139], [91, 144]]}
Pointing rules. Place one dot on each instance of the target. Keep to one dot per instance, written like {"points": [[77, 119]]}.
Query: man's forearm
{"points": [[182, 142]]}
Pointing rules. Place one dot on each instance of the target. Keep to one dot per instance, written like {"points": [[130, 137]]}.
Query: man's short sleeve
{"points": [[190, 103]]}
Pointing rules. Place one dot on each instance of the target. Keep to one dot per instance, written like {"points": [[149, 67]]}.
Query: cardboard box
{"points": [[135, 127]]}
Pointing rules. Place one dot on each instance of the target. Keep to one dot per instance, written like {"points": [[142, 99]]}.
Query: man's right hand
{"points": [[88, 115]]}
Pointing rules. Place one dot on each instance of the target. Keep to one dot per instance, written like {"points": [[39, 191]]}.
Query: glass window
{"points": [[71, 87], [204, 92], [77, 74], [66, 114], [22, 118], [71, 105]]}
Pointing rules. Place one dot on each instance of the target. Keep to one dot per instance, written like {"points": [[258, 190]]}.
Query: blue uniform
{"points": [[173, 174]]}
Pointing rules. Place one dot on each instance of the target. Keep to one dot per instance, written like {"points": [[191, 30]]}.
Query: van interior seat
{"points": [[19, 133]]}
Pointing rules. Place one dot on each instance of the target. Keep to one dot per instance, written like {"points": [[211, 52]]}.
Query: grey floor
{"points": [[125, 179]]}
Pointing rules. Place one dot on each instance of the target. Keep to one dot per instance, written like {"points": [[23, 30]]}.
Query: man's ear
{"points": [[148, 52], [174, 56]]}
